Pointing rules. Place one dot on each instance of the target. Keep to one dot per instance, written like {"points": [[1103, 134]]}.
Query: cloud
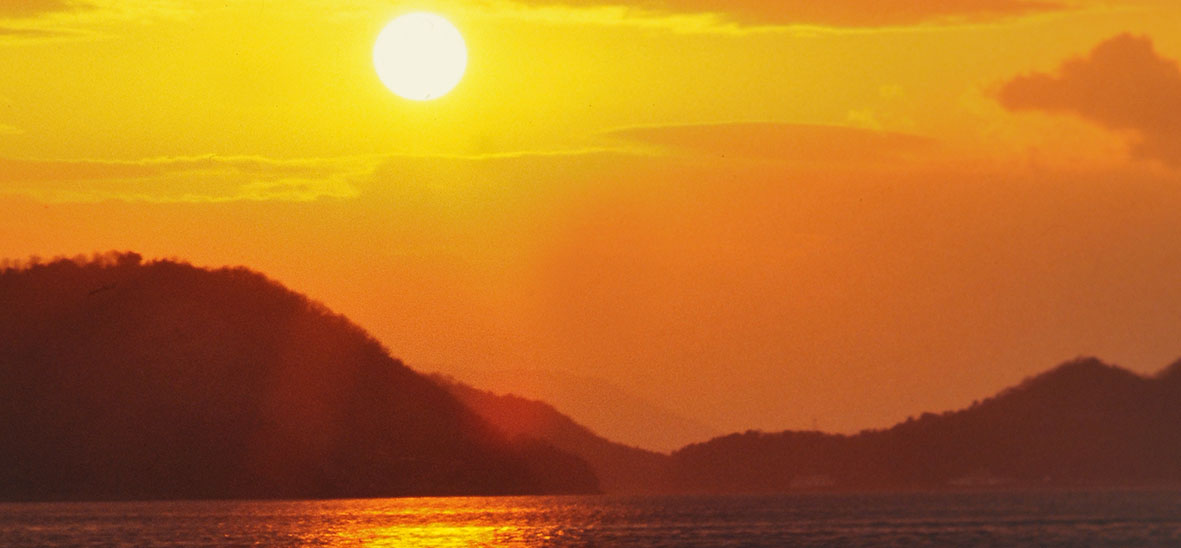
{"points": [[34, 8], [33, 19], [793, 143], [252, 178], [80, 170], [179, 179], [834, 13], [1123, 85], [23, 33]]}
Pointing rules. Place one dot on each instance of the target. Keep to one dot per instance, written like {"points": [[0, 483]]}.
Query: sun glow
{"points": [[420, 56]]}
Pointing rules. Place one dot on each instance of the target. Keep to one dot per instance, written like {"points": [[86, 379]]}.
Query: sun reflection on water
{"points": [[442, 523], [441, 535]]}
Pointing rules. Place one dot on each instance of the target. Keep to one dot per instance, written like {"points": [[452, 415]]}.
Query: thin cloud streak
{"points": [[179, 179], [839, 14], [19, 9], [208, 179], [783, 142]]}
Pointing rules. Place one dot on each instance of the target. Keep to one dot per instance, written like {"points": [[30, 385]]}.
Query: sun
{"points": [[420, 56]]}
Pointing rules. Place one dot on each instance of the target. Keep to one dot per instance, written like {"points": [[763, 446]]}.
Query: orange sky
{"points": [[756, 214]]}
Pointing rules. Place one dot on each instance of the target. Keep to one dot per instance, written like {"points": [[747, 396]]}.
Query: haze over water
{"points": [[1124, 519]]}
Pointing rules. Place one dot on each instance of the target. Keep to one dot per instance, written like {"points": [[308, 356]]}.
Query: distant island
{"points": [[126, 379], [611, 411], [1082, 424]]}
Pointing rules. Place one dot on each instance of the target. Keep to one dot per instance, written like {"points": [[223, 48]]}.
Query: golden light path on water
{"points": [[441, 535], [450, 522]]}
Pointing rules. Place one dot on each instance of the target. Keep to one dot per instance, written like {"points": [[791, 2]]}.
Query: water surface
{"points": [[1124, 519]]}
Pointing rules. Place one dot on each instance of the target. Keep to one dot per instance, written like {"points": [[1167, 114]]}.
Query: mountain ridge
{"points": [[600, 405], [125, 379], [1083, 423], [621, 469]]}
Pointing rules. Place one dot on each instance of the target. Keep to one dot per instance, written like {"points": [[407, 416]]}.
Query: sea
{"points": [[1078, 518]]}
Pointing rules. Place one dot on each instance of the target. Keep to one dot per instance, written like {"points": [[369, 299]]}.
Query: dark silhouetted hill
{"points": [[620, 468], [1084, 423], [122, 379]]}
